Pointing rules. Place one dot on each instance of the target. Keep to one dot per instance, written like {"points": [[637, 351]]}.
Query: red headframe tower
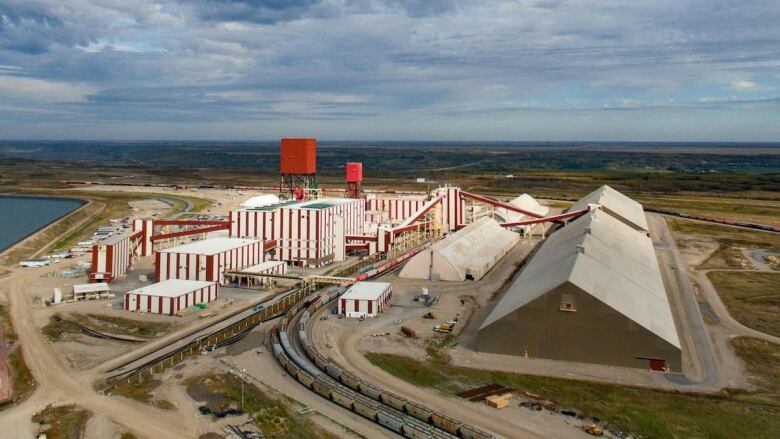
{"points": [[298, 169]]}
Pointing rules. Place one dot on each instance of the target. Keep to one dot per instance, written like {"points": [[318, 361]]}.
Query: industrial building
{"points": [[35, 263], [93, 291], [616, 204], [397, 208], [207, 260], [365, 299], [252, 273], [171, 296], [466, 254], [310, 233], [111, 258], [592, 293]]}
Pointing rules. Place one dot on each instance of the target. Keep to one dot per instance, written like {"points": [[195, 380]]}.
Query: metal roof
{"points": [[605, 258], [525, 202], [210, 246], [96, 287], [614, 202], [259, 268], [477, 246], [366, 291], [114, 239], [261, 201], [171, 288]]}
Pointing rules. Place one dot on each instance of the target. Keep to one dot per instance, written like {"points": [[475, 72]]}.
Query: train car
{"points": [[305, 379], [390, 420], [418, 411], [303, 339], [320, 360], [322, 387], [311, 301], [343, 397], [277, 349], [445, 422], [470, 432], [333, 370], [350, 380], [418, 431], [366, 407], [370, 390], [310, 352], [283, 360], [292, 369], [393, 400]]}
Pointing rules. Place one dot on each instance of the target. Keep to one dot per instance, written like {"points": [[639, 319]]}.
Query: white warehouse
{"points": [[171, 296], [365, 299], [466, 254], [207, 260]]}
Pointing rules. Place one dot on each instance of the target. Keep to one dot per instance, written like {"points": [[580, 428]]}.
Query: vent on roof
{"points": [[581, 249], [587, 230]]}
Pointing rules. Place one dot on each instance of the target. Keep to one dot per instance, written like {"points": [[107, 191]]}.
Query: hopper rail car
{"points": [[296, 354]]}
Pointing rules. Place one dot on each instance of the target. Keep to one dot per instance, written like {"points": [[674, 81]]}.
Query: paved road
{"points": [[681, 294]]}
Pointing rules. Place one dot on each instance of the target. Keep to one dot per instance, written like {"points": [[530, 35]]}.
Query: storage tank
{"points": [[298, 156]]}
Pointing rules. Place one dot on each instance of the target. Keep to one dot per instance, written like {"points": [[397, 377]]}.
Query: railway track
{"points": [[228, 330], [296, 354]]}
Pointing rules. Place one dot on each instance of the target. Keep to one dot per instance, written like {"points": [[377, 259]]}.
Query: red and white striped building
{"points": [[110, 258], [146, 227], [310, 233], [207, 260], [396, 208], [401, 208], [454, 206], [365, 299], [171, 296]]}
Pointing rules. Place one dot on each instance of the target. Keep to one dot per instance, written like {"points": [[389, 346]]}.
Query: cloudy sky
{"points": [[390, 69]]}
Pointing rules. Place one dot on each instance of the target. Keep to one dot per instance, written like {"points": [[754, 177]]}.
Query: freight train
{"points": [[407, 418], [716, 220]]}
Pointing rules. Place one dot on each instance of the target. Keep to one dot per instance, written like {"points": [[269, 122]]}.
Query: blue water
{"points": [[22, 216]]}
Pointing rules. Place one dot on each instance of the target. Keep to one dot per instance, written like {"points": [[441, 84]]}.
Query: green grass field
{"points": [[274, 417], [22, 380], [730, 242], [752, 298], [59, 326], [142, 390], [63, 422], [649, 413]]}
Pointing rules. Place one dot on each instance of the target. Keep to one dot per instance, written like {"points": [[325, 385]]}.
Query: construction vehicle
{"points": [[593, 430], [443, 327]]}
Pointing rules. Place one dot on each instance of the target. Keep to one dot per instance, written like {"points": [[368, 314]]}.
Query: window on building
{"points": [[567, 303]]}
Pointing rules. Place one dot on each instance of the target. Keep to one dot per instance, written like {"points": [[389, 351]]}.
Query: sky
{"points": [[641, 70]]}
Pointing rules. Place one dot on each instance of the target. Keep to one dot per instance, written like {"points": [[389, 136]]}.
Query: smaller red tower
{"points": [[354, 180]]}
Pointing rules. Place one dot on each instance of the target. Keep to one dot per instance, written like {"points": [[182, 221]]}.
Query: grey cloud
{"points": [[258, 11], [343, 60]]}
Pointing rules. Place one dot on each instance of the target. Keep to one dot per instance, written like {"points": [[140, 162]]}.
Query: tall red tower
{"points": [[354, 180], [298, 168]]}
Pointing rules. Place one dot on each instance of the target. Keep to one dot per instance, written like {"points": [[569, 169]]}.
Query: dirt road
{"points": [[59, 385]]}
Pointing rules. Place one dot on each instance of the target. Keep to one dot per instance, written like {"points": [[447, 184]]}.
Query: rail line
{"points": [[233, 328], [297, 355]]}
